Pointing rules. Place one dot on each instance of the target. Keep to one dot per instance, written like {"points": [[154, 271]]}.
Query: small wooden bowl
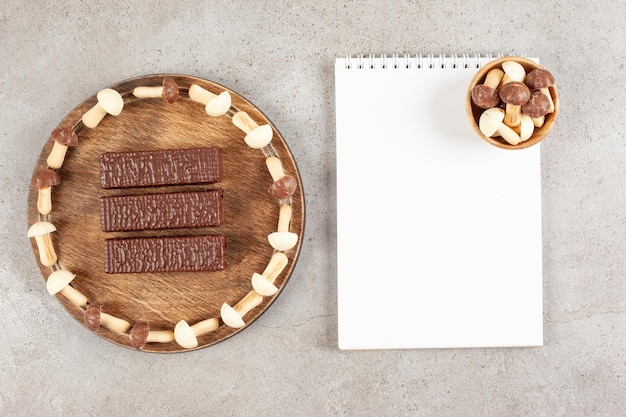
{"points": [[474, 112]]}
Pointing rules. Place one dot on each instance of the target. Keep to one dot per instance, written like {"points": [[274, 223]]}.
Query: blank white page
{"points": [[438, 232]]}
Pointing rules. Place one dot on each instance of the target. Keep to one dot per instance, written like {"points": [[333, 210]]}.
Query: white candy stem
{"points": [[113, 323], [275, 266], [275, 168], [284, 218], [44, 200], [512, 117], [200, 95], [493, 78], [247, 303], [57, 155], [160, 336], [205, 326], [243, 121], [508, 134], [94, 116], [148, 92], [47, 255], [72, 294]]}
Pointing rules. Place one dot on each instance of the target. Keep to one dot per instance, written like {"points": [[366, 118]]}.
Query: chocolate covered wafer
{"points": [[156, 168], [161, 211], [165, 254]]}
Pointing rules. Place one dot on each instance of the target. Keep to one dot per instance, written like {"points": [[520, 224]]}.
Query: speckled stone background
{"points": [[279, 54]]}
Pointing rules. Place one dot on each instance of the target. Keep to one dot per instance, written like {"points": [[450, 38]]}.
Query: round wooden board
{"points": [[250, 212]]}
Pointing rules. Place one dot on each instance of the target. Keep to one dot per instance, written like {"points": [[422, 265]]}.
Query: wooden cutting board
{"points": [[250, 212]]}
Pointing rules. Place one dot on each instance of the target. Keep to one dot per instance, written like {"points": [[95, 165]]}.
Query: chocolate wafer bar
{"points": [[165, 254], [161, 211], [164, 167]]}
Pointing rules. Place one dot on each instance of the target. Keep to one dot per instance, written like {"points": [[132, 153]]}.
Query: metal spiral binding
{"points": [[418, 61]]}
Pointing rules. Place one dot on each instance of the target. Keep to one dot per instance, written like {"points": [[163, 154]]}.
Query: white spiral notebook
{"points": [[438, 233]]}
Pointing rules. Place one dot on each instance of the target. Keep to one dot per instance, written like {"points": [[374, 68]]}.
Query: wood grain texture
{"points": [[250, 213]]}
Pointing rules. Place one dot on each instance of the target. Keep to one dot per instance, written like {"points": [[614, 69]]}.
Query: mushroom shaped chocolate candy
{"points": [[62, 137], [169, 91], [514, 94], [109, 102], [214, 104], [94, 318], [187, 336], [284, 185], [233, 316], [44, 180], [491, 124], [41, 232], [282, 239], [264, 283], [58, 282], [257, 136], [541, 79], [538, 105], [486, 95], [141, 334]]}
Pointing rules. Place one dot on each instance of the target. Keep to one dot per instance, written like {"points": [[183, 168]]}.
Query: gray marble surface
{"points": [[279, 54]]}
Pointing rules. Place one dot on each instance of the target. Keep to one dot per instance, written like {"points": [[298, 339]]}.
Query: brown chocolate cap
{"points": [[92, 316], [284, 187], [64, 136], [139, 334], [537, 105], [170, 90], [539, 78], [515, 93], [485, 97], [45, 178]]}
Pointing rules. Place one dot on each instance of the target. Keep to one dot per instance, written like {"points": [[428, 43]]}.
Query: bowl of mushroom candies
{"points": [[512, 102]]}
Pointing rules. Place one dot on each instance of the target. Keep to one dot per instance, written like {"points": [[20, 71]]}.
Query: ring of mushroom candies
{"points": [[257, 137], [525, 97]]}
